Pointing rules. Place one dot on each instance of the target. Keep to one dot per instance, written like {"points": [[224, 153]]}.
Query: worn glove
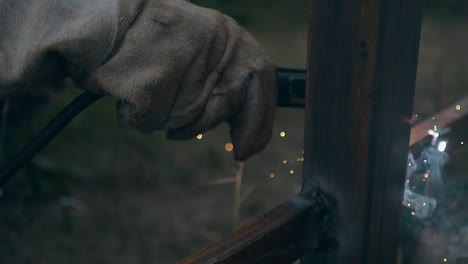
{"points": [[173, 66]]}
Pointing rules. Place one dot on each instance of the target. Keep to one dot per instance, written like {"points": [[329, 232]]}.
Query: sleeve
{"points": [[45, 40], [174, 66]]}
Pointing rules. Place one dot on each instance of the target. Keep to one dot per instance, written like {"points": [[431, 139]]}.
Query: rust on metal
{"points": [[279, 236]]}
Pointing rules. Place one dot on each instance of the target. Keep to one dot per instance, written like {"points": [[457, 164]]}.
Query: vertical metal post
{"points": [[362, 64]]}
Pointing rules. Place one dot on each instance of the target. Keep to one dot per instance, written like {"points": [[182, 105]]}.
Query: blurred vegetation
{"points": [[261, 13], [278, 13], [446, 8]]}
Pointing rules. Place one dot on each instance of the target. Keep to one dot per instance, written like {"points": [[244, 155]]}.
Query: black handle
{"points": [[292, 83]]}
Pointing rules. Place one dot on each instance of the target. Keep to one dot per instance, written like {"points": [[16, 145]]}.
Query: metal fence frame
{"points": [[362, 60]]}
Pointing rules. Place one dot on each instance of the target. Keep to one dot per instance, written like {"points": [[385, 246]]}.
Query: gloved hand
{"points": [[174, 66]]}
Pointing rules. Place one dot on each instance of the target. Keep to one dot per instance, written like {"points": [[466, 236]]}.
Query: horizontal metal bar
{"points": [[444, 118], [282, 235]]}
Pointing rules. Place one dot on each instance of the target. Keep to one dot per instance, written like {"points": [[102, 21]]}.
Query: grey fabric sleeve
{"points": [[44, 40], [174, 66]]}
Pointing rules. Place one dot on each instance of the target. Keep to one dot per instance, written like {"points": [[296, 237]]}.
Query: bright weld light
{"points": [[199, 136], [433, 133], [442, 146], [283, 134], [458, 107]]}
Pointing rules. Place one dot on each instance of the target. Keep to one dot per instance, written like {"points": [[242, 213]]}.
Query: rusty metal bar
{"points": [[361, 75], [444, 118], [278, 236]]}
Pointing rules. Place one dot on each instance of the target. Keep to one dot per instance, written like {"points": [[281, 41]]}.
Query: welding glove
{"points": [[174, 66]]}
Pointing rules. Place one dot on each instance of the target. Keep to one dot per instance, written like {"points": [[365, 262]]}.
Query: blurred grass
{"points": [[262, 13], [293, 13]]}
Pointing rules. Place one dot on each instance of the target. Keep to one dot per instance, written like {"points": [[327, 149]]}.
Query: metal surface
{"points": [[444, 118], [361, 76]]}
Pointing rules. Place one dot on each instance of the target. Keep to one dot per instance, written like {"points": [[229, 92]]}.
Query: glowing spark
{"points": [[458, 107], [424, 204], [291, 172], [445, 260], [410, 164], [199, 136], [407, 181], [425, 161], [462, 143], [434, 133], [426, 175], [409, 205], [229, 147], [285, 162], [283, 134], [413, 213], [433, 118], [442, 146], [272, 175]]}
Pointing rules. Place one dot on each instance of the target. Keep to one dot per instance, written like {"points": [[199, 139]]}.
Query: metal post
{"points": [[362, 63]]}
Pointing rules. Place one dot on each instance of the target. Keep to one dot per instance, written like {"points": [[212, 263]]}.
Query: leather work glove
{"points": [[174, 66]]}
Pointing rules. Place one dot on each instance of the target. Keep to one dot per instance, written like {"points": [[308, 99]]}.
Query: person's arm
{"points": [[173, 66], [45, 40]]}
